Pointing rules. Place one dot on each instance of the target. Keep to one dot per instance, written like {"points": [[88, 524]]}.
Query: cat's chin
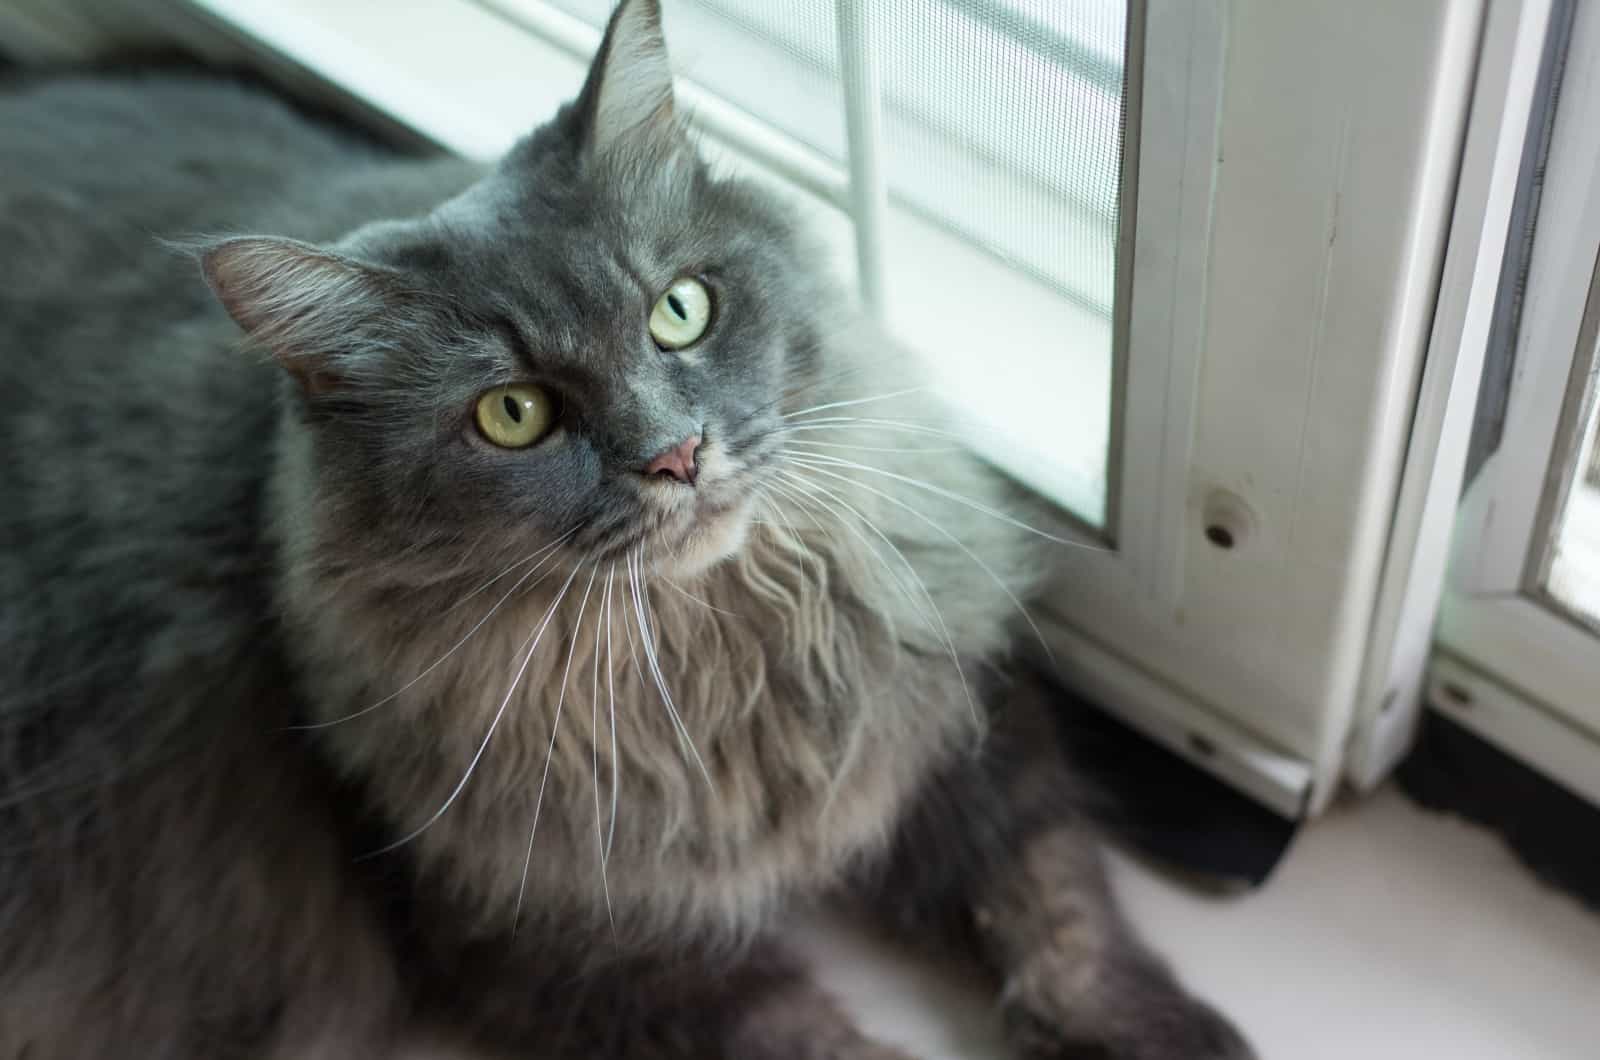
{"points": [[714, 537]]}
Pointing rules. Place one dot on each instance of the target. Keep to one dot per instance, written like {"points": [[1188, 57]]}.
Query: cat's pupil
{"points": [[513, 409], [677, 307]]}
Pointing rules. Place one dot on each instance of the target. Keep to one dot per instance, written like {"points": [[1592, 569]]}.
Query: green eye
{"points": [[681, 314], [515, 416]]}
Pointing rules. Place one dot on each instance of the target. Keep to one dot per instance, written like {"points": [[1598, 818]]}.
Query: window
{"points": [[1483, 614], [1568, 567]]}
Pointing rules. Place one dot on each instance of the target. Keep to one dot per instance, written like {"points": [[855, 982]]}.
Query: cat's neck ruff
{"points": [[742, 733]]}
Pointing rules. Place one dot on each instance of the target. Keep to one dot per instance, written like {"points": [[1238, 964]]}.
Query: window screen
{"points": [[1002, 119]]}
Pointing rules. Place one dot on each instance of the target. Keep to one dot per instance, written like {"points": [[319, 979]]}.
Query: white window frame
{"points": [[1392, 694], [1326, 233], [1464, 628], [1511, 666]]}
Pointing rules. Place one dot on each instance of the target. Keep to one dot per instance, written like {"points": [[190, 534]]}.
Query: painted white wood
{"points": [[1401, 636], [1181, 102], [1327, 227], [1164, 714]]}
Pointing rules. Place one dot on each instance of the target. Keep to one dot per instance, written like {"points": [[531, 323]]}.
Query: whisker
{"points": [[940, 491], [687, 595], [549, 754], [532, 644], [855, 401], [797, 390], [878, 448], [836, 423], [611, 698], [792, 535], [514, 566], [594, 755], [646, 636], [810, 488], [1003, 587], [397, 693]]}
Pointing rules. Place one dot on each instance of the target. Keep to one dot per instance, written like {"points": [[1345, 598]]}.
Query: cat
{"points": [[558, 584]]}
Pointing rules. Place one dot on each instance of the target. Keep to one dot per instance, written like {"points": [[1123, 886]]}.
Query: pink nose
{"points": [[677, 462]]}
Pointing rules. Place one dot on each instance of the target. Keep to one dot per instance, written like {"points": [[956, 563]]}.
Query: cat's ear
{"points": [[299, 301], [628, 93]]}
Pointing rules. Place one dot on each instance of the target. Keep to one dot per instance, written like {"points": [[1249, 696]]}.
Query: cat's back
{"points": [[134, 450], [96, 168], [137, 429]]}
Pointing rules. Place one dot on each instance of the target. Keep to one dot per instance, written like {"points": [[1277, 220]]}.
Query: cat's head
{"points": [[592, 344]]}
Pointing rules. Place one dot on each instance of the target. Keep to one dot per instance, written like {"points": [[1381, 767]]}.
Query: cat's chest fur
{"points": [[631, 759]]}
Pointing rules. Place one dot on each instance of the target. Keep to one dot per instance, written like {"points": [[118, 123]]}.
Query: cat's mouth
{"points": [[699, 526]]}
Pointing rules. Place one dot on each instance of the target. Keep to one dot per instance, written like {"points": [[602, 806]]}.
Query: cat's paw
{"points": [[1058, 1012]]}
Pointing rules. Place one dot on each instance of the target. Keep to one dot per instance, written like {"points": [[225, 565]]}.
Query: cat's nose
{"points": [[678, 462]]}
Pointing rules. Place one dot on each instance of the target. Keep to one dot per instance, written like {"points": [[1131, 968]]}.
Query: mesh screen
{"points": [[1002, 119]]}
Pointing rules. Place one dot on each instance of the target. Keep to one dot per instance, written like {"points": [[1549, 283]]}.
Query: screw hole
{"points": [[1227, 521], [1201, 746], [1456, 694]]}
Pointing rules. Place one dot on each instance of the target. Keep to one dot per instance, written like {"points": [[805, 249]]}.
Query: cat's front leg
{"points": [[760, 1004], [1076, 982], [780, 1013], [999, 858]]}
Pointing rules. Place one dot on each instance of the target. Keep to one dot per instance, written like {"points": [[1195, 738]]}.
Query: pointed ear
{"points": [[299, 301], [628, 92]]}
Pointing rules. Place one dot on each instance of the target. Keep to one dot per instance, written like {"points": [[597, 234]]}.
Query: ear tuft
{"points": [[628, 92], [297, 300]]}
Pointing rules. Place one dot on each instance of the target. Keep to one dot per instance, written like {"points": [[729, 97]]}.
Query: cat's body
{"points": [[253, 628]]}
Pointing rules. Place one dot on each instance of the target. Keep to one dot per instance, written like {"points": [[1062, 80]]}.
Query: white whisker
{"points": [[514, 566], [856, 401], [550, 751], [940, 491], [925, 450], [600, 615], [532, 645], [403, 689], [611, 698], [792, 535], [810, 489], [646, 637], [835, 423], [947, 535], [687, 595]]}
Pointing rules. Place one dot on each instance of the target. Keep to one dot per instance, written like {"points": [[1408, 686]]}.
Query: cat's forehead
{"points": [[638, 227]]}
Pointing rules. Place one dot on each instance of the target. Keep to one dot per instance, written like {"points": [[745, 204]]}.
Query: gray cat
{"points": [[557, 587]]}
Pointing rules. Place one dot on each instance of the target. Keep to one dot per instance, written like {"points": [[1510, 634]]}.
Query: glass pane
{"points": [[1573, 578], [1002, 126]]}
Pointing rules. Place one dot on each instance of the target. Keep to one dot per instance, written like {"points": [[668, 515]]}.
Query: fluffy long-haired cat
{"points": [[552, 589]]}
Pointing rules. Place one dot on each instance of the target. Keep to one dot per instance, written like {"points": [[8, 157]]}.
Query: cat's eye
{"points": [[516, 415], [681, 315]]}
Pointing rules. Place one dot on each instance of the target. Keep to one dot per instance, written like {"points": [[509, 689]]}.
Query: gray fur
{"points": [[253, 628]]}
